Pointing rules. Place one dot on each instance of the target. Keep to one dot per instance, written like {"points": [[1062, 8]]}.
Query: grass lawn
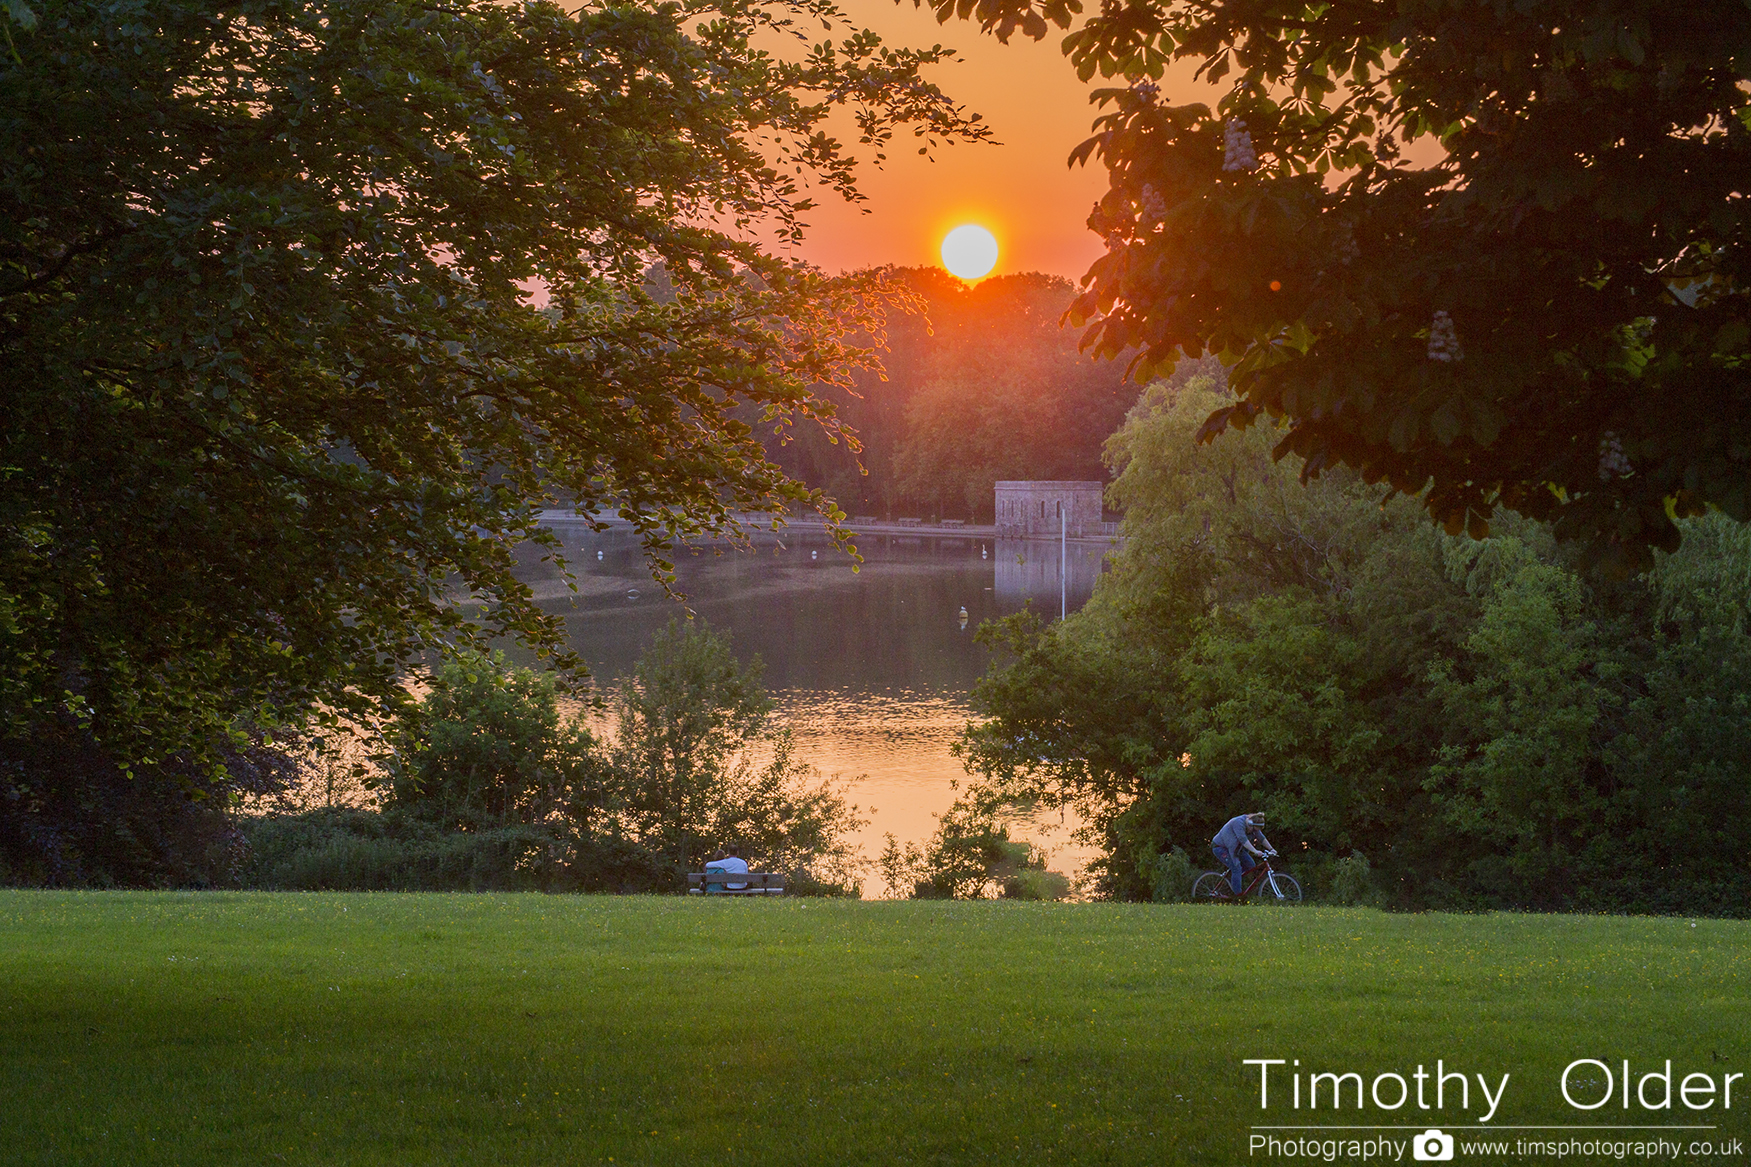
{"points": [[233, 1028]]}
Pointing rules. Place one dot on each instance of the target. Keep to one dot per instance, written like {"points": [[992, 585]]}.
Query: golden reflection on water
{"points": [[870, 669], [892, 753], [901, 744]]}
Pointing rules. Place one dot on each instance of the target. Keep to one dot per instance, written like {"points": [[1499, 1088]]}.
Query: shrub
{"points": [[682, 775], [1036, 883], [490, 788], [1171, 876], [1352, 882], [971, 856], [342, 849], [487, 748]]}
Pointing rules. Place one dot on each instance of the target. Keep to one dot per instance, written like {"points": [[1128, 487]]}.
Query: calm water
{"points": [[871, 669]]}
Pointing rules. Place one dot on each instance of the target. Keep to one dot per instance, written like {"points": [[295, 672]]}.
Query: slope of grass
{"points": [[233, 1028]]}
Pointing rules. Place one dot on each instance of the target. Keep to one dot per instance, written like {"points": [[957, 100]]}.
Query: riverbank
{"points": [[225, 1028]]}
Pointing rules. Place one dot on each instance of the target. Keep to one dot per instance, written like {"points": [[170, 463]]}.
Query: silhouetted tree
{"points": [[278, 402], [1545, 305]]}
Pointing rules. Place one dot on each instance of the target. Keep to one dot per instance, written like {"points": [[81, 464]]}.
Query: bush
{"points": [[1171, 877], [804, 882], [355, 850], [342, 849], [487, 748], [489, 788], [1352, 882], [1036, 883], [71, 817], [681, 773], [971, 856]]}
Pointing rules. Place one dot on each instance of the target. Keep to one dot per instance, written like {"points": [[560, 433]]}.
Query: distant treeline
{"points": [[1428, 720], [984, 385]]}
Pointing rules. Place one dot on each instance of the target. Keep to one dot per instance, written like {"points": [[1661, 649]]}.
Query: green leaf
{"points": [[1444, 423], [1404, 429]]}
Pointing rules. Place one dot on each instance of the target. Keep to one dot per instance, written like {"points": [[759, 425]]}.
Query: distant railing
{"points": [[1030, 530], [1047, 530]]}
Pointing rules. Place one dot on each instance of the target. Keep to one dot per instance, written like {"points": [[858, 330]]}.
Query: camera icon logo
{"points": [[1432, 1146]]}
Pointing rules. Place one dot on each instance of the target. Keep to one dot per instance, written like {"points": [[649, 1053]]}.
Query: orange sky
{"points": [[1021, 190]]}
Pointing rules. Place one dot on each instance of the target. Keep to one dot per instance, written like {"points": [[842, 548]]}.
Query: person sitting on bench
{"points": [[727, 859]]}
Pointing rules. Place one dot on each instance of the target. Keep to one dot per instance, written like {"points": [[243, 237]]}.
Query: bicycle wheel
{"points": [[1288, 891], [1212, 885]]}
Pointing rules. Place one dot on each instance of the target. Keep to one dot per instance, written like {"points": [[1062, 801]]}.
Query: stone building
{"points": [[1029, 510]]}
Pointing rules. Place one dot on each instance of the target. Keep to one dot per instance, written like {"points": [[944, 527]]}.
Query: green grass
{"points": [[231, 1028]]}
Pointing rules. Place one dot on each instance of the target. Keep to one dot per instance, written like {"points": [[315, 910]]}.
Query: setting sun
{"points": [[970, 252]]}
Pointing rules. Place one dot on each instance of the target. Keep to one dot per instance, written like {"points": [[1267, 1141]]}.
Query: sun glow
{"points": [[970, 252]]}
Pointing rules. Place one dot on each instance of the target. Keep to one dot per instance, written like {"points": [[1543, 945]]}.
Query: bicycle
{"points": [[1279, 887]]}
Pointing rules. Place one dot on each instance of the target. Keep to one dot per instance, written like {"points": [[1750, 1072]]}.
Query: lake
{"points": [[871, 669]]}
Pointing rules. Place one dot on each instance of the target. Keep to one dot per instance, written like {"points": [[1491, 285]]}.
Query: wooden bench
{"points": [[759, 883]]}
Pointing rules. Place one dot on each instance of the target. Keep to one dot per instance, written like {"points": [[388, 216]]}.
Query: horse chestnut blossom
{"points": [[1613, 462], [1237, 152], [1151, 206], [1443, 339]]}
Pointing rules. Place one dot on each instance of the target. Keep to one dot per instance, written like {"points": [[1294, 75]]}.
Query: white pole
{"points": [[1063, 561]]}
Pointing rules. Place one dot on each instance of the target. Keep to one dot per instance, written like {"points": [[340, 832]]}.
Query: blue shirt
{"points": [[1232, 835]]}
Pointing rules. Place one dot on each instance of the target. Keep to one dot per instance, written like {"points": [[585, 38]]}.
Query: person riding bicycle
{"points": [[1238, 836]]}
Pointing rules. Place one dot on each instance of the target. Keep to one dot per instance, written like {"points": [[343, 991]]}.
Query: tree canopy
{"points": [[1495, 254], [1429, 719], [1003, 394], [309, 307], [978, 382]]}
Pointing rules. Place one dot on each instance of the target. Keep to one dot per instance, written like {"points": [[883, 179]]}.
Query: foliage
{"points": [[490, 786], [1353, 881], [688, 721], [1707, 582], [971, 856], [979, 382], [1170, 875], [486, 747], [70, 817], [342, 849], [1032, 881], [307, 309], [1484, 721], [963, 435], [1491, 253], [1004, 395]]}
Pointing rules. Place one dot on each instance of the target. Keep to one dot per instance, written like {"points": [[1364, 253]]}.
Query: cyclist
{"points": [[1238, 836]]}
